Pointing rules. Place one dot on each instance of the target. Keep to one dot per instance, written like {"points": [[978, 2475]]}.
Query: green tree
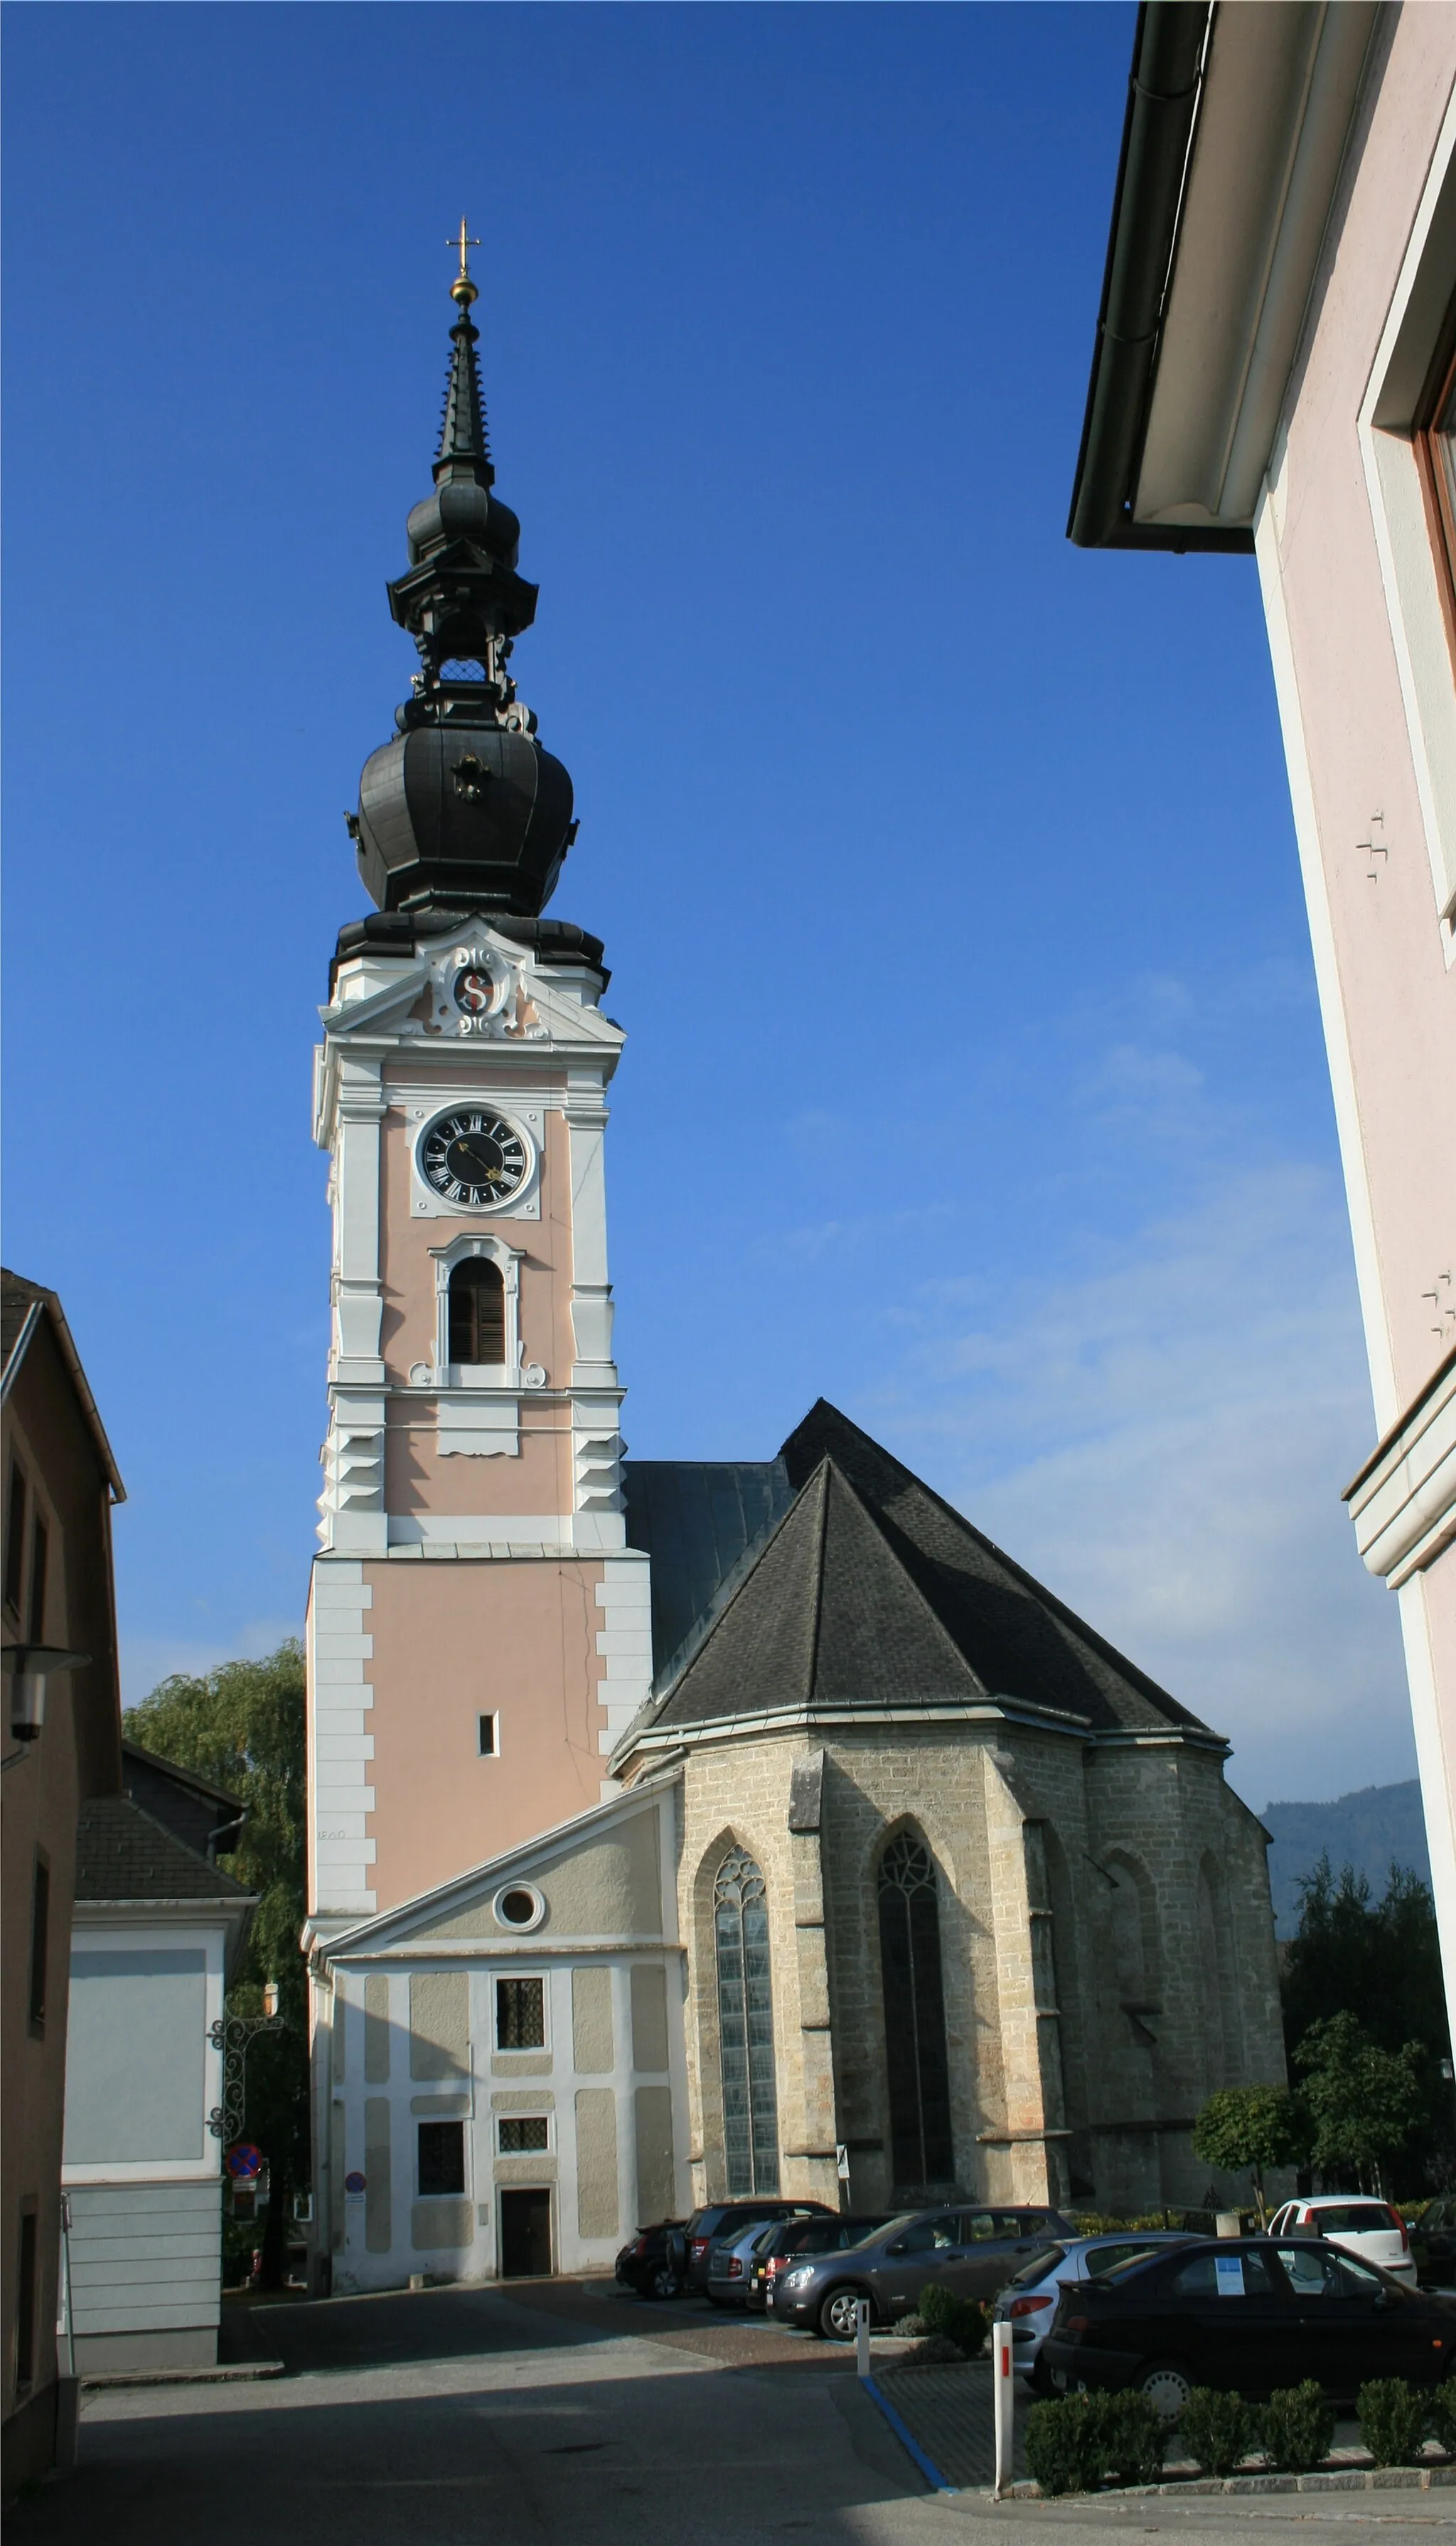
{"points": [[1365, 2102], [243, 1728], [1253, 2127], [1380, 1959]]}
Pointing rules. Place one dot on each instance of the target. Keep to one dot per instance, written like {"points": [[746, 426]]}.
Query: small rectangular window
{"points": [[489, 1736], [39, 1942], [520, 2016], [40, 1559], [523, 2134], [25, 2305], [442, 2157], [14, 1542]]}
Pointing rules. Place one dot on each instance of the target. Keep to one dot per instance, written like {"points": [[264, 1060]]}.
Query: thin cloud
{"points": [[1164, 1441]]}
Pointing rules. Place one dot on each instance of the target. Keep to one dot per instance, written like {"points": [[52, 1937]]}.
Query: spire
{"points": [[463, 432], [464, 804]]}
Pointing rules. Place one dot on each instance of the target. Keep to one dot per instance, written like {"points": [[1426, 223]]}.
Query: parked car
{"points": [[1433, 2246], [971, 2251], [775, 2248], [655, 2261], [1029, 2298], [729, 2259], [1250, 2313], [719, 2217], [1371, 2229]]}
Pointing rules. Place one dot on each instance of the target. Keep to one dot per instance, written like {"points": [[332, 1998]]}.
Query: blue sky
{"points": [[975, 1077]]}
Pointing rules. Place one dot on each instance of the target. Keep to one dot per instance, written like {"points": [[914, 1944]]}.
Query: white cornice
{"points": [[1403, 1502]]}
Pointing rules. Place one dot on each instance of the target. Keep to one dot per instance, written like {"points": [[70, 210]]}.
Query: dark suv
{"points": [[655, 2261], [725, 2218], [972, 2252]]}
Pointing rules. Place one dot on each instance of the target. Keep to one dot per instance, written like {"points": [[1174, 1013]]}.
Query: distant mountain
{"points": [[1370, 1830]]}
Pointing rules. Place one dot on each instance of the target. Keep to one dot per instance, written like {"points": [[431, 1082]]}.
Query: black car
{"points": [[797, 2236], [722, 2219], [970, 2251], [1434, 2245], [655, 2262], [1252, 2314]]}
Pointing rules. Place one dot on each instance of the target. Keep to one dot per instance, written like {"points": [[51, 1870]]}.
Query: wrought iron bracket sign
{"points": [[232, 2035]]}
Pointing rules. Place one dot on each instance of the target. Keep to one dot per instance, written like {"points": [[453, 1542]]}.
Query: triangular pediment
{"points": [[604, 1878]]}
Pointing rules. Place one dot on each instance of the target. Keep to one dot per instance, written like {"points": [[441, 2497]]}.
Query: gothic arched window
{"points": [[921, 2136], [477, 1311], [746, 2025]]}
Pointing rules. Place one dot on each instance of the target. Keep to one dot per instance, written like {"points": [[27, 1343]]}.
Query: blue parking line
{"points": [[906, 2440]]}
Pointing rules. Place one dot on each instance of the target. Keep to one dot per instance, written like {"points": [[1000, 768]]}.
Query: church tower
{"points": [[478, 1630]]}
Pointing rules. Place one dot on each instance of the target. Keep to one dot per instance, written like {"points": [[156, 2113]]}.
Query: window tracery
{"points": [[746, 2025]]}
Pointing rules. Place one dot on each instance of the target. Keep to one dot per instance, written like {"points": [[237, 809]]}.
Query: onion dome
{"points": [[464, 805]]}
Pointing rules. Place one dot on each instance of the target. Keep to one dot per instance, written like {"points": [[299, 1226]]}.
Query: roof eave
{"points": [[1208, 281], [47, 1302]]}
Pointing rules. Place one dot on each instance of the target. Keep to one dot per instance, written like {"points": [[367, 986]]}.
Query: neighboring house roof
{"points": [[872, 1594], [202, 1816], [23, 1305], [123, 1854]]}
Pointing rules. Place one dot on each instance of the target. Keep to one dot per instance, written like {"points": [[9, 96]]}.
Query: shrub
{"points": [[959, 2321], [1064, 2444], [1218, 2430], [1074, 2442], [1393, 2417], [1134, 2437], [1441, 2414], [909, 2325], [937, 2351], [1296, 2428]]}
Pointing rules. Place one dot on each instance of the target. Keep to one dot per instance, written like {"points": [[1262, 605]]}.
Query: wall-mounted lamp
{"points": [[269, 1998], [30, 1666]]}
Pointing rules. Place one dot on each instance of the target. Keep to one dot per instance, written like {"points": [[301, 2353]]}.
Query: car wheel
{"points": [[1167, 2386], [837, 2315], [663, 2282]]}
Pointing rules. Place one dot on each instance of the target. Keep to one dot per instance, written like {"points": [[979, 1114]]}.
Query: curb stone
{"points": [[1351, 2480], [225, 2373]]}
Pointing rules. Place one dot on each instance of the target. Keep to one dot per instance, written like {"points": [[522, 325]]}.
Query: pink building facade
{"points": [[1274, 374]]}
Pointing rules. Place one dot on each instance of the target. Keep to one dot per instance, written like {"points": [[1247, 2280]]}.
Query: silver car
{"points": [[729, 2261], [1030, 2299]]}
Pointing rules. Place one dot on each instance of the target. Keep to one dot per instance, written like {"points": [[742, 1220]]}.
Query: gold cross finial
{"points": [[462, 288]]}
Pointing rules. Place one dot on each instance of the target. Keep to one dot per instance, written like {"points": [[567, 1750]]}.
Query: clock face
{"points": [[472, 1157]]}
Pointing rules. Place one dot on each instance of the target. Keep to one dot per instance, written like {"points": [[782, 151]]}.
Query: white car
{"points": [[1371, 2229]]}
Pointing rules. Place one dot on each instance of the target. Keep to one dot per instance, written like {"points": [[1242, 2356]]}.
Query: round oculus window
{"points": [[518, 1907], [473, 1156]]}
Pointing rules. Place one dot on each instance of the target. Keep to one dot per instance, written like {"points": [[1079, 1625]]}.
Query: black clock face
{"points": [[473, 1157]]}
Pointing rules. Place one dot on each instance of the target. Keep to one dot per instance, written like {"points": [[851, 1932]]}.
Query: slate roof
{"points": [[700, 1520], [123, 1854], [871, 1592]]}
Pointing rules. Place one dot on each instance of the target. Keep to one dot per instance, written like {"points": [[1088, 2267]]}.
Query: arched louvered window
{"points": [[922, 2143], [746, 2026], [477, 1311]]}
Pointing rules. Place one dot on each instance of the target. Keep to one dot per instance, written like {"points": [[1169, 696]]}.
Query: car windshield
{"points": [[1348, 2218], [890, 2228], [1038, 2267], [1115, 2259]]}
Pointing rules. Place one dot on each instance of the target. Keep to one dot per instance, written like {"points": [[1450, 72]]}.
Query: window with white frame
{"points": [[523, 2134], [440, 2158], [520, 2013]]}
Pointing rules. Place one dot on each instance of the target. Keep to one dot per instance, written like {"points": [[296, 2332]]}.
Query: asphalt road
{"points": [[556, 2415]]}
